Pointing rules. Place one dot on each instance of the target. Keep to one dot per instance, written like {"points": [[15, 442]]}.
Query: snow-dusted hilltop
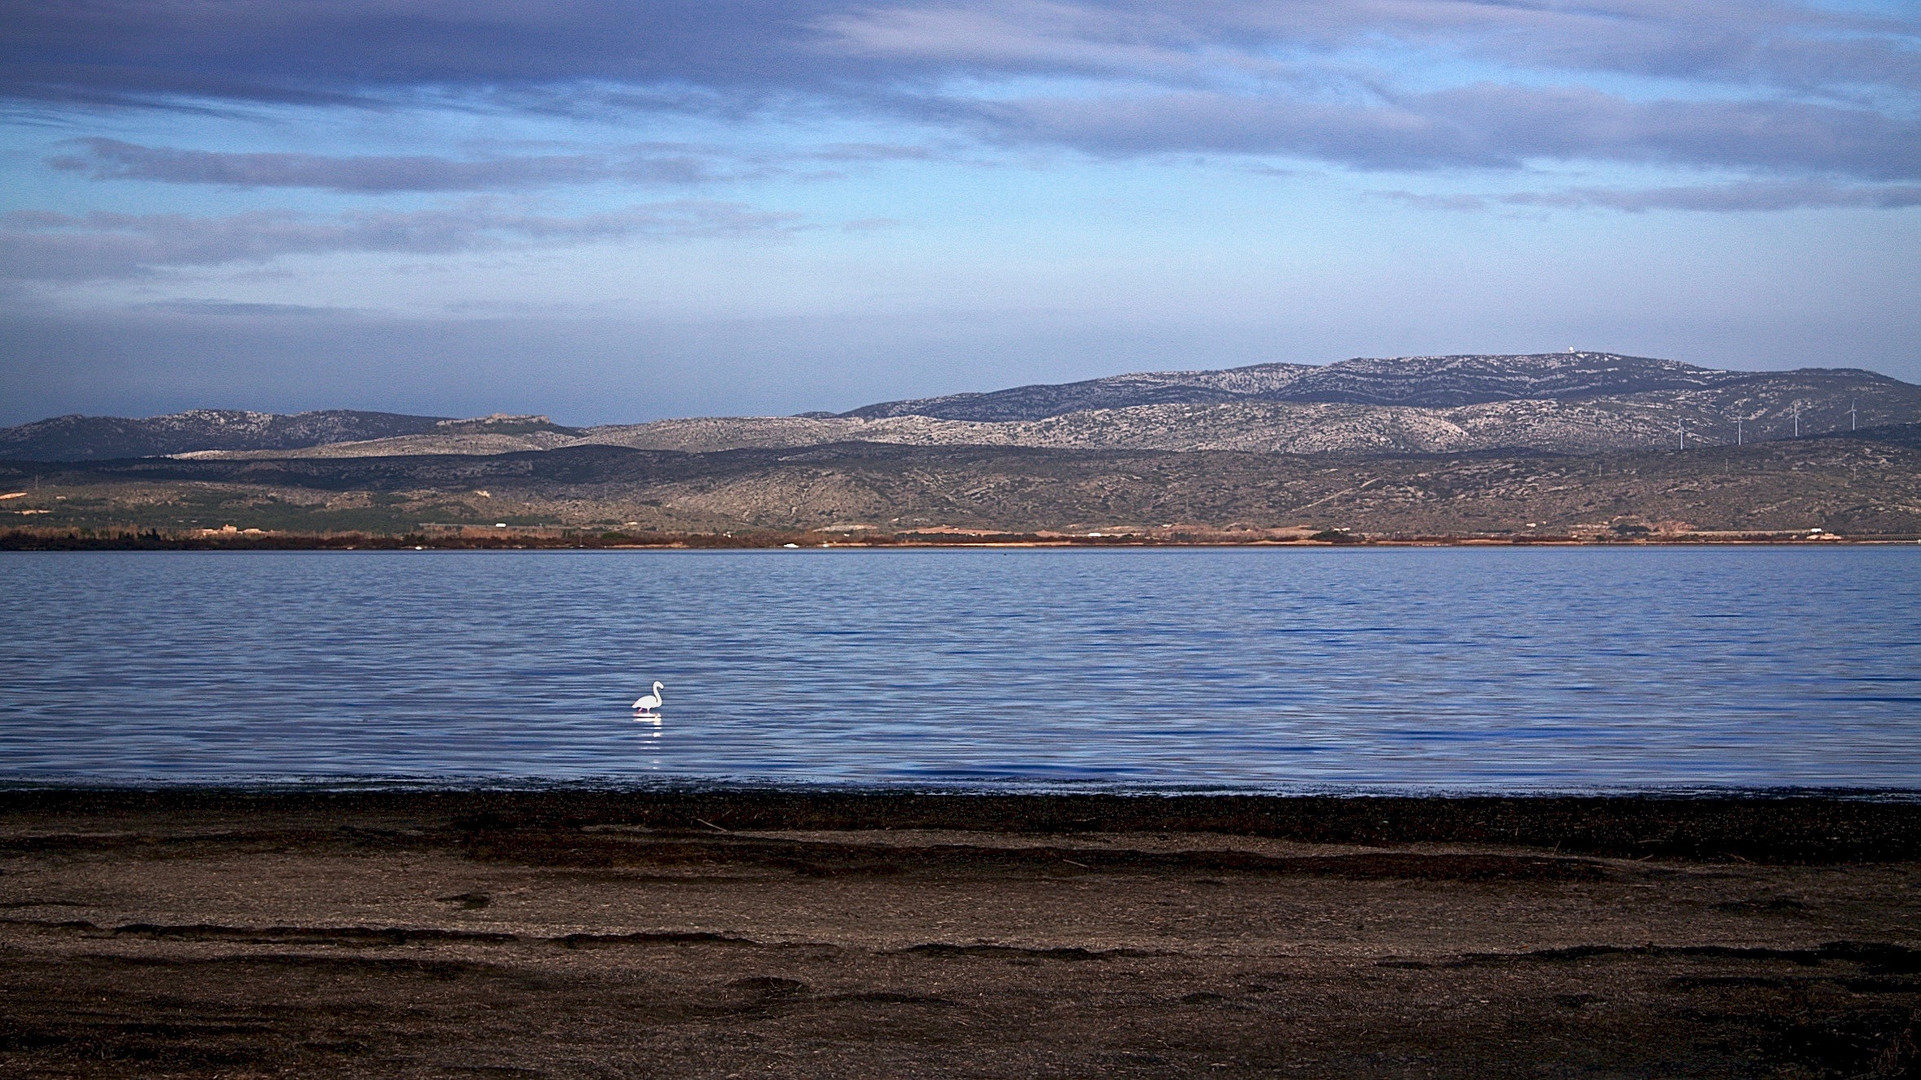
{"points": [[94, 438], [1420, 381], [1579, 402], [88, 438]]}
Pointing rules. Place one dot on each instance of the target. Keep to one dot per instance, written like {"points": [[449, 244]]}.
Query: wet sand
{"points": [[720, 934]]}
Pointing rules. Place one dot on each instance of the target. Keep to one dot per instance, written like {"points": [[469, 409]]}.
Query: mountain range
{"points": [[90, 438], [1568, 444], [1578, 402], [1866, 483], [1436, 382]]}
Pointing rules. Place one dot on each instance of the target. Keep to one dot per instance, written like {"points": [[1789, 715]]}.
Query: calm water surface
{"points": [[1502, 669]]}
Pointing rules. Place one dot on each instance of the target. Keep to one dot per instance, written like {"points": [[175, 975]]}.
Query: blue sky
{"points": [[620, 211]]}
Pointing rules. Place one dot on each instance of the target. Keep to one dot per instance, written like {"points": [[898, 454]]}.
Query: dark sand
{"points": [[578, 934]]}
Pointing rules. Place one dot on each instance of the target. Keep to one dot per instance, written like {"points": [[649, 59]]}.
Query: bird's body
{"points": [[646, 705]]}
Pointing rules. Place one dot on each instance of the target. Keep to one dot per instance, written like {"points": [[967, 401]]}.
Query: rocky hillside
{"points": [[1560, 402], [1867, 484], [498, 434], [1260, 382], [217, 431], [1419, 381], [1747, 409], [1740, 407], [88, 438]]}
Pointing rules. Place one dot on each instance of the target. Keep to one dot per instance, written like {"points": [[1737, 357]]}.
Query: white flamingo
{"points": [[646, 704]]}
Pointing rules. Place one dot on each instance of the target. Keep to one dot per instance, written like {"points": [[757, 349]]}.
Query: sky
{"points": [[620, 211]]}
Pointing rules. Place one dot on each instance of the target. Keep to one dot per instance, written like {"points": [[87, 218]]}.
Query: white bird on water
{"points": [[646, 704]]}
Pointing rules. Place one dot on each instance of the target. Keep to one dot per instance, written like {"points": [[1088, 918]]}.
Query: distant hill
{"points": [[1418, 381], [1712, 407], [1864, 484], [1746, 408], [1262, 382], [96, 438], [92, 438], [1574, 403]]}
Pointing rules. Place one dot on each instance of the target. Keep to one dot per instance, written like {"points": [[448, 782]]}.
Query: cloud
{"points": [[1785, 88], [1478, 126], [111, 159], [1748, 196], [1424, 201], [655, 164], [1481, 126], [1736, 42], [1024, 37], [873, 152], [36, 245], [1731, 197], [148, 50]]}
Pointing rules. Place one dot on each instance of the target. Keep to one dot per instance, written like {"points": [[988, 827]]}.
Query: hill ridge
{"points": [[1865, 483], [1579, 402], [76, 437], [1427, 381]]}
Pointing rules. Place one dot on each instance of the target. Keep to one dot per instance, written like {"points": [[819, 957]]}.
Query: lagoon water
{"points": [[1511, 669]]}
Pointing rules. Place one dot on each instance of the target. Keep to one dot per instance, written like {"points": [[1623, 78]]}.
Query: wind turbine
{"points": [[1851, 411], [1797, 419]]}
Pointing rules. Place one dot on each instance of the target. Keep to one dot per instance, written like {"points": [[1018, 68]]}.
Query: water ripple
{"points": [[1458, 669]]}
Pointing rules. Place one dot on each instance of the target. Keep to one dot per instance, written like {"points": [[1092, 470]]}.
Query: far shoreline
{"points": [[569, 539]]}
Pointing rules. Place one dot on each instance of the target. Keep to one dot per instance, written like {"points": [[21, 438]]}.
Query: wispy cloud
{"points": [[152, 51], [1784, 89], [1481, 126], [1752, 195], [1038, 36], [51, 247], [112, 159], [1800, 46], [237, 49], [653, 164], [1720, 198]]}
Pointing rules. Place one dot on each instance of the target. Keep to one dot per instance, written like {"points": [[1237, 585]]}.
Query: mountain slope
{"points": [[1560, 402], [1419, 381], [1744, 409], [215, 431], [1747, 407], [1869, 483], [87, 438], [1039, 401], [1443, 381]]}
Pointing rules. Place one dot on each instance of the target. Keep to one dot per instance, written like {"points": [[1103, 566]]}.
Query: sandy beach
{"points": [[721, 934]]}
